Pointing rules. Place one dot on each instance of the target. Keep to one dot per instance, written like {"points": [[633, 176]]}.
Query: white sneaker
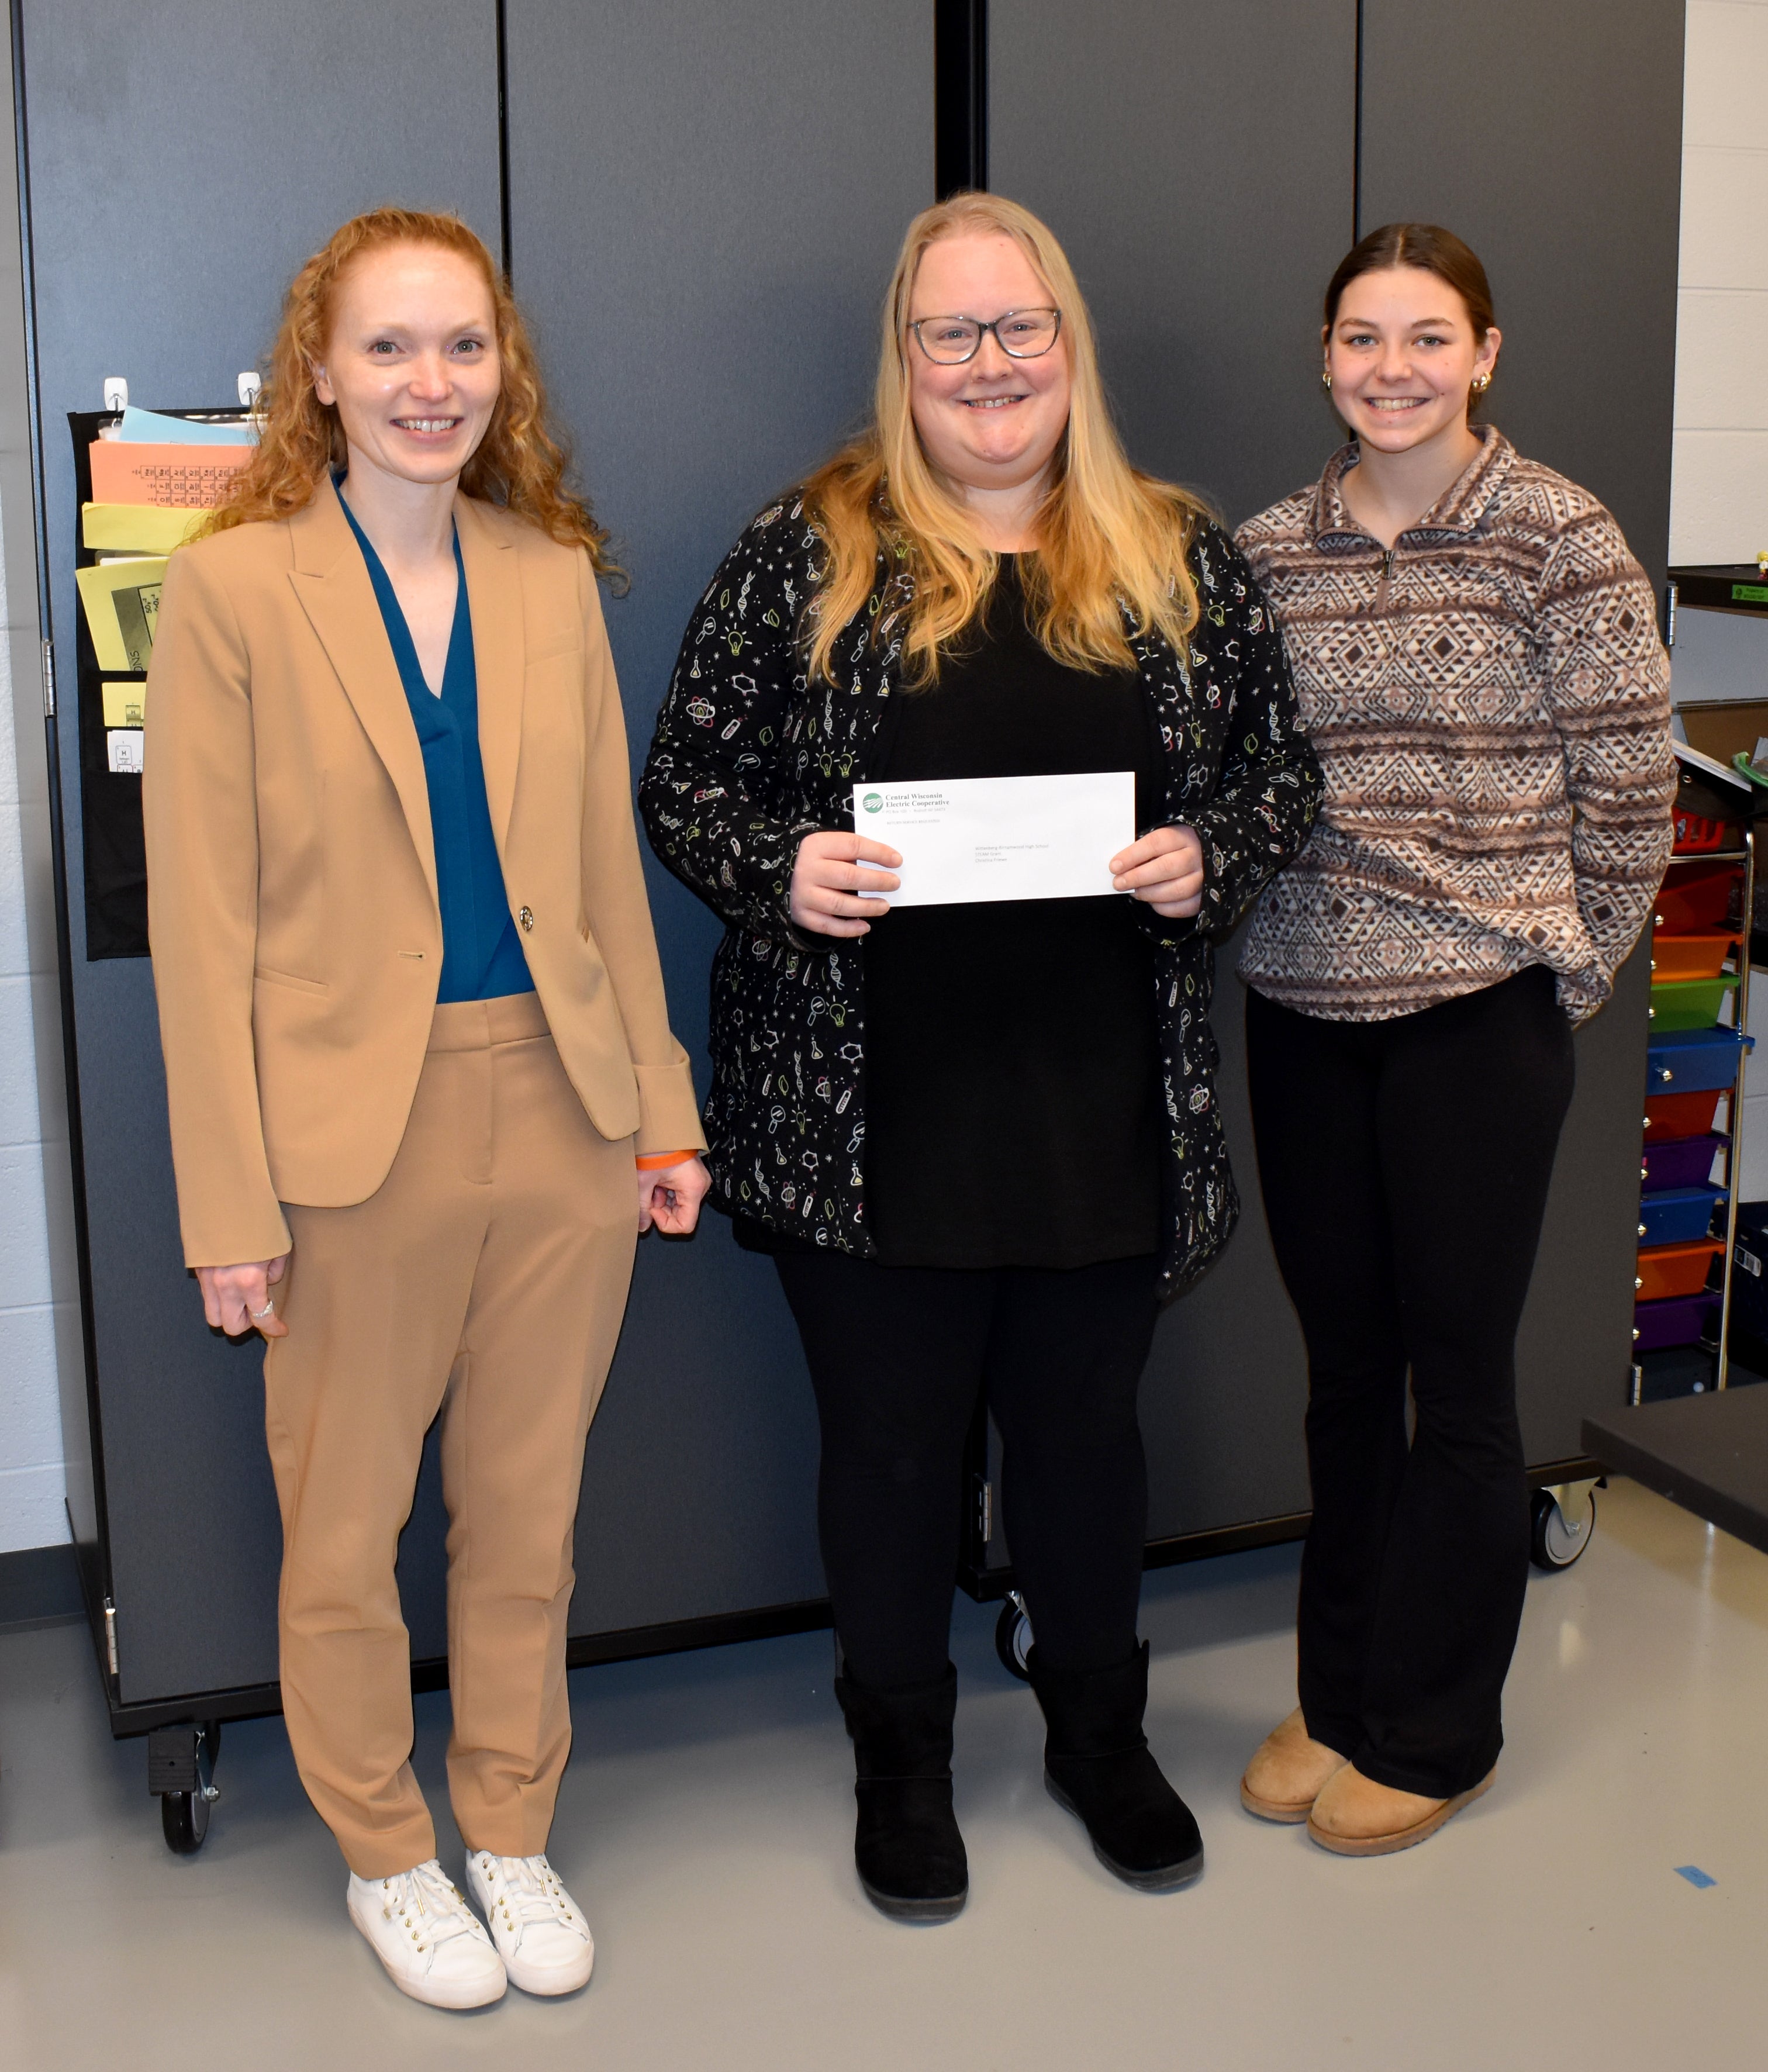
{"points": [[428, 1937], [540, 1934]]}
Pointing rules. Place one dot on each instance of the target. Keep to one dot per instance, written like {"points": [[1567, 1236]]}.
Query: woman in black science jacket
{"points": [[981, 1141]]}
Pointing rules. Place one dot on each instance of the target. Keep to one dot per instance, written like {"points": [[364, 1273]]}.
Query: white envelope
{"points": [[976, 838]]}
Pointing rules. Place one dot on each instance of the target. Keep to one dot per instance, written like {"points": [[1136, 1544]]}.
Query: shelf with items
{"points": [[142, 481], [1739, 586], [1696, 1049]]}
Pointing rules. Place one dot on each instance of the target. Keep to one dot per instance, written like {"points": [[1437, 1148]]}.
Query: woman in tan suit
{"points": [[415, 1040]]}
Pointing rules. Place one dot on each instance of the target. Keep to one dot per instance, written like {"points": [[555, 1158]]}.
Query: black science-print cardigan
{"points": [[749, 757]]}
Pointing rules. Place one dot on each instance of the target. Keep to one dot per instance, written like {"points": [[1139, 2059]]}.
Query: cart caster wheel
{"points": [[181, 1775], [1558, 1537], [183, 1819], [1012, 1637]]}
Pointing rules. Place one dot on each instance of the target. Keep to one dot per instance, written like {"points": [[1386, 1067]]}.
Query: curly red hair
{"points": [[521, 462]]}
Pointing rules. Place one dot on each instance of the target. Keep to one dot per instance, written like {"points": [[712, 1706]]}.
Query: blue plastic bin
{"points": [[1678, 1215], [1690, 1061]]}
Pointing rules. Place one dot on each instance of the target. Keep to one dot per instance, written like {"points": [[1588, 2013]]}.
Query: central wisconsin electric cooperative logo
{"points": [[873, 803]]}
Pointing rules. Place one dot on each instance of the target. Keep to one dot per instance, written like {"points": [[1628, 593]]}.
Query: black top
{"points": [[1012, 1057]]}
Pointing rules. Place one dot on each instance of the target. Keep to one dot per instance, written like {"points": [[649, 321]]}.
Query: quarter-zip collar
{"points": [[1457, 514]]}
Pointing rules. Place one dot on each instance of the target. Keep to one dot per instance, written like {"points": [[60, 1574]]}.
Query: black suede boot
{"points": [[906, 1846], [1097, 1763]]}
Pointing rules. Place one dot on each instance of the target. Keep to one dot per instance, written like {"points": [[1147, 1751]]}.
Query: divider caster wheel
{"points": [[181, 1775], [1012, 1637], [1561, 1522]]}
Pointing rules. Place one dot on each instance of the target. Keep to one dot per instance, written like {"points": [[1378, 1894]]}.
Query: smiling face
{"points": [[1403, 357], [412, 365], [995, 423]]}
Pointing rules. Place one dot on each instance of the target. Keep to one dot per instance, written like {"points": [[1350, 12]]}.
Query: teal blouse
{"points": [[482, 953]]}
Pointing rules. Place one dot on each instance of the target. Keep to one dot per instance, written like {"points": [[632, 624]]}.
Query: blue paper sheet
{"points": [[148, 428]]}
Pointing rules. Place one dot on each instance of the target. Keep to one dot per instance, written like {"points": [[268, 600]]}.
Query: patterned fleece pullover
{"points": [[1489, 705]]}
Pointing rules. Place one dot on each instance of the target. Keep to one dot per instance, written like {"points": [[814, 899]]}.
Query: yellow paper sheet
{"points": [[122, 600], [136, 529], [125, 704]]}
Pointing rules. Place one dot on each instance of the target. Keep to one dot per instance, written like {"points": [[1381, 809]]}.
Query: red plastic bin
{"points": [[1697, 833], [1697, 896], [1681, 1115]]}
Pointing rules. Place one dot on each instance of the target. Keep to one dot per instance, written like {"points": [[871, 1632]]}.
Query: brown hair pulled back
{"points": [[1430, 248], [520, 463]]}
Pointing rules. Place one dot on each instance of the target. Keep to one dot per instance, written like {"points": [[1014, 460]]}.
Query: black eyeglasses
{"points": [[1021, 335]]}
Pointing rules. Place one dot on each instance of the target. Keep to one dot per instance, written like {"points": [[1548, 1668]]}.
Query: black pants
{"points": [[1405, 1166], [897, 1356]]}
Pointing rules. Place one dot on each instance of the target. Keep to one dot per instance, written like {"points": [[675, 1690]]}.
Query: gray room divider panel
{"points": [[1550, 138], [184, 160], [705, 201], [1198, 162]]}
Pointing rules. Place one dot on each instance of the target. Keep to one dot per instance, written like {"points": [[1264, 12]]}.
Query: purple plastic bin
{"points": [[1684, 1161], [1681, 1320]]}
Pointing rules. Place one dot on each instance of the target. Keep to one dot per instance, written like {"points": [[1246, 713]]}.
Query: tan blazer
{"points": [[292, 900]]}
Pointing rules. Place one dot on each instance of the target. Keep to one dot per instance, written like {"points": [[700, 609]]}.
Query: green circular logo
{"points": [[873, 803]]}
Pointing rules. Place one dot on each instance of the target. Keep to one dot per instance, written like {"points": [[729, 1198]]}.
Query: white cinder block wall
{"points": [[1719, 506], [1718, 498], [1719, 513]]}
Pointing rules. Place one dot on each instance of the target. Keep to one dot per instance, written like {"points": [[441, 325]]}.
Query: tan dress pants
{"points": [[486, 1278]]}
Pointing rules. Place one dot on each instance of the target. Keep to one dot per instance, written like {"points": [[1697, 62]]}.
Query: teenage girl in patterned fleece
{"points": [[981, 1141], [1480, 670]]}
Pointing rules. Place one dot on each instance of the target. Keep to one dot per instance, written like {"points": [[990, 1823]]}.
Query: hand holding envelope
{"points": [[975, 839], [832, 892], [1164, 870]]}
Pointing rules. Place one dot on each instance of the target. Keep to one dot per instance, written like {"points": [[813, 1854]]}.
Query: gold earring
{"points": [[1325, 378], [1482, 384]]}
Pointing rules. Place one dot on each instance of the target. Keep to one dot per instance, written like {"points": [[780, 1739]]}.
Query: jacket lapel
{"points": [[494, 592], [330, 579]]}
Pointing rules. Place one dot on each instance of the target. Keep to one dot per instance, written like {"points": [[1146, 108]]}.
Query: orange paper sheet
{"points": [[186, 476]]}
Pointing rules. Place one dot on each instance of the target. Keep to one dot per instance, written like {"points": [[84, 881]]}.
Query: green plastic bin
{"points": [[1689, 1003]]}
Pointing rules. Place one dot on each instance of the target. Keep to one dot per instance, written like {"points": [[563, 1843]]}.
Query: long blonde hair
{"points": [[520, 462], [1112, 541]]}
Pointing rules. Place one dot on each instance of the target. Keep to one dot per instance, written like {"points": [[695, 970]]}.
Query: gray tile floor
{"points": [[705, 1822]]}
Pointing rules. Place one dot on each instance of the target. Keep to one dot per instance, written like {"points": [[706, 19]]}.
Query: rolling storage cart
{"points": [[1694, 1095], [1706, 1451]]}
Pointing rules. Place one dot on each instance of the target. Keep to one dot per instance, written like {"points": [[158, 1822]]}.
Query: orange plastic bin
{"points": [[1685, 957], [1675, 1269]]}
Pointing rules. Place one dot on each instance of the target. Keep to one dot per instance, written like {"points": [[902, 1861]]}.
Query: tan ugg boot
{"points": [[1283, 1780], [1354, 1816]]}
